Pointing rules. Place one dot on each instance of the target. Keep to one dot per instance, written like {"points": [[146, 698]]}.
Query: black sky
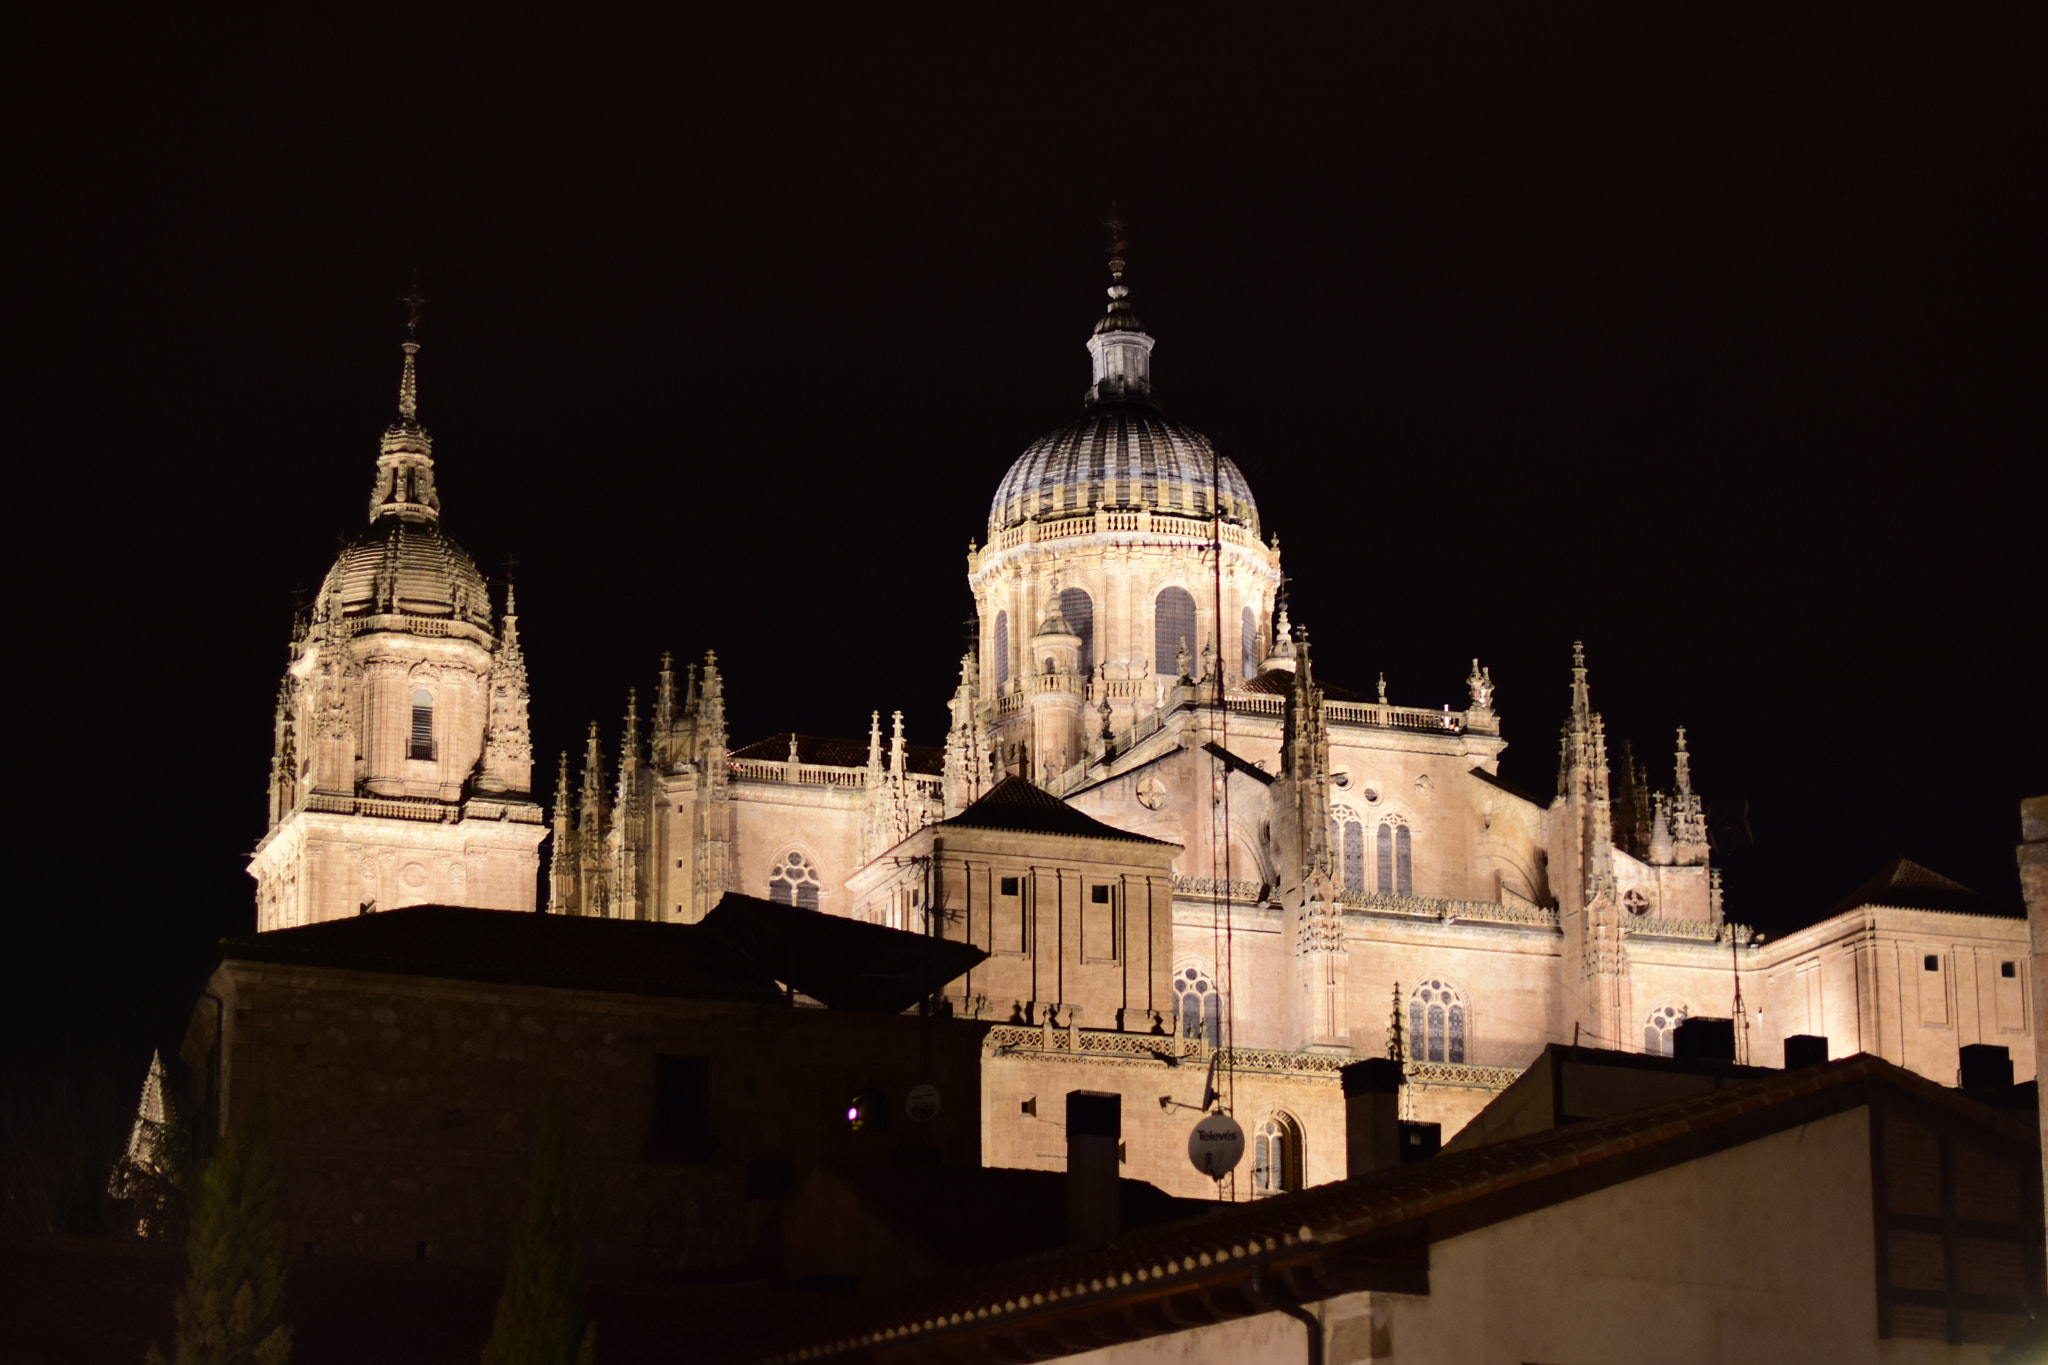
{"points": [[1711, 339]]}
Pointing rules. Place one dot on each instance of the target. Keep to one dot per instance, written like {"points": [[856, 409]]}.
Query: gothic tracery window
{"points": [[422, 738], [1173, 627], [1396, 850], [1199, 1004], [1079, 611], [1354, 856], [1276, 1155], [794, 882], [1661, 1029], [1436, 1024]]}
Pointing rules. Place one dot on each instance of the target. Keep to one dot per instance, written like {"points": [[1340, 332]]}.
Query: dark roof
{"points": [[1909, 886], [841, 963], [828, 752], [1279, 682], [528, 949], [1014, 804], [1495, 781], [1380, 1224]]}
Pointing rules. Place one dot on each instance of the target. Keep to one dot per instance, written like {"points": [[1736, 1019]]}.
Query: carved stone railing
{"points": [[430, 627], [1393, 717], [1103, 521], [1009, 703], [386, 807], [802, 774], [516, 812], [1461, 1074], [1449, 911], [1214, 889], [1691, 930]]}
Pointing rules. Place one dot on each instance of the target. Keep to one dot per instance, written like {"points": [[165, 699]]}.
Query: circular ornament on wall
{"points": [[1151, 792], [413, 874], [1371, 795], [1424, 785]]}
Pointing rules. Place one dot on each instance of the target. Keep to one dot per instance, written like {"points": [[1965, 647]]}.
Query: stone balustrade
{"points": [[1447, 911]]}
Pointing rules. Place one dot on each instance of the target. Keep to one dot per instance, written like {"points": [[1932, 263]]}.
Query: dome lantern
{"points": [[1120, 348]]}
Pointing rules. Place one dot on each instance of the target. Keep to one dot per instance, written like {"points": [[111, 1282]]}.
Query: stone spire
{"points": [[665, 714], [562, 859], [1120, 350], [1688, 818], [405, 457], [508, 741]]}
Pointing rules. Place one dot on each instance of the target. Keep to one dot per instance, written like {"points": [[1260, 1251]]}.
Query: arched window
{"points": [[1251, 643], [1354, 856], [422, 745], [1173, 625], [794, 882], [1079, 610], [1661, 1029], [1436, 1024], [1396, 859], [1276, 1155], [1002, 650], [1200, 1006]]}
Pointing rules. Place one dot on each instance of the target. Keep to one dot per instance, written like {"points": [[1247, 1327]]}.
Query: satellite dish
{"points": [[1216, 1145], [922, 1103]]}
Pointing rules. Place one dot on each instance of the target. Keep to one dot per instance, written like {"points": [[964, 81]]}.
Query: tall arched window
{"points": [[1354, 856], [422, 745], [1276, 1155], [1200, 1006], [794, 882], [1173, 624], [1002, 650], [1251, 643], [1079, 610], [1436, 1024], [1662, 1027], [1396, 859]]}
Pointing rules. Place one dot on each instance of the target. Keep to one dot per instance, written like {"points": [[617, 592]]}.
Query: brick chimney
{"points": [[1372, 1115]]}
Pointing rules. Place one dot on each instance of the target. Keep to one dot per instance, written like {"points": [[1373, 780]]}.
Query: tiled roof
{"points": [[828, 752], [1909, 886], [1122, 455], [1014, 804], [1234, 1261], [841, 963], [527, 949], [1279, 682]]}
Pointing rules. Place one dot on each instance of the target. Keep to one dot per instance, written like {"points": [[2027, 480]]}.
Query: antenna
{"points": [[1741, 1023]]}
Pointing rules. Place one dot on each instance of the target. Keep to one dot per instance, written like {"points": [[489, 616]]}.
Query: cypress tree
{"points": [[541, 1317], [229, 1309]]}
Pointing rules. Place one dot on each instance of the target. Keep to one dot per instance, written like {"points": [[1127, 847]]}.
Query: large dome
{"points": [[400, 567], [1122, 455]]}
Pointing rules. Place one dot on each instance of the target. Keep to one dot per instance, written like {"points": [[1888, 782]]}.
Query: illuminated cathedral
{"points": [[1174, 838]]}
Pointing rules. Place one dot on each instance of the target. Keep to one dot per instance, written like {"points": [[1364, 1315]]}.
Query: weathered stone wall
{"points": [[404, 1110]]}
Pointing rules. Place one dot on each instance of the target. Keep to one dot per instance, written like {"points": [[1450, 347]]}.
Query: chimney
{"points": [[1805, 1049], [1704, 1040], [1985, 1070], [1372, 1116], [1095, 1123]]}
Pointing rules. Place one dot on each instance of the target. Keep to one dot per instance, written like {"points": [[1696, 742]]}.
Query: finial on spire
{"points": [[1120, 348]]}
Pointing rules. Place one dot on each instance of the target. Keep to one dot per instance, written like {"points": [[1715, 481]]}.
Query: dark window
{"points": [[2008, 969], [1276, 1156], [1173, 626], [1354, 856], [1009, 886], [1200, 1005], [1002, 650], [1931, 963], [422, 745], [1251, 642], [1079, 610], [1404, 864], [794, 882], [1099, 895], [1386, 860], [1436, 1024], [682, 1109]]}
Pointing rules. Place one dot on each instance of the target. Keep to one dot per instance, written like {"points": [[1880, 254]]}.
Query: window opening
{"points": [[1009, 886], [1173, 624], [1354, 856], [1386, 860], [1276, 1156], [1404, 863], [1251, 643], [1002, 650], [1099, 895], [422, 745], [1931, 963], [1200, 1005], [1079, 610], [2008, 969], [1662, 1028], [794, 882], [1436, 1023]]}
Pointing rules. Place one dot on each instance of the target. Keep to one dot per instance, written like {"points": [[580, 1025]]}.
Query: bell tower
{"points": [[402, 767]]}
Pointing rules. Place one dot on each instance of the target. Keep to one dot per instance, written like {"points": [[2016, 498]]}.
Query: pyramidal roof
{"points": [[1909, 886], [1014, 804]]}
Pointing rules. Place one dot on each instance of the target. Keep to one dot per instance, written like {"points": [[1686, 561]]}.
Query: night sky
{"points": [[1713, 341]]}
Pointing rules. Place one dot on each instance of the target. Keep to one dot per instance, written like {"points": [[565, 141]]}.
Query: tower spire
{"points": [[1120, 348], [405, 457]]}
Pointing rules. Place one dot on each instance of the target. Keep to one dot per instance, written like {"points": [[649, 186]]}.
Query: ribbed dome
{"points": [[1122, 455], [396, 566]]}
